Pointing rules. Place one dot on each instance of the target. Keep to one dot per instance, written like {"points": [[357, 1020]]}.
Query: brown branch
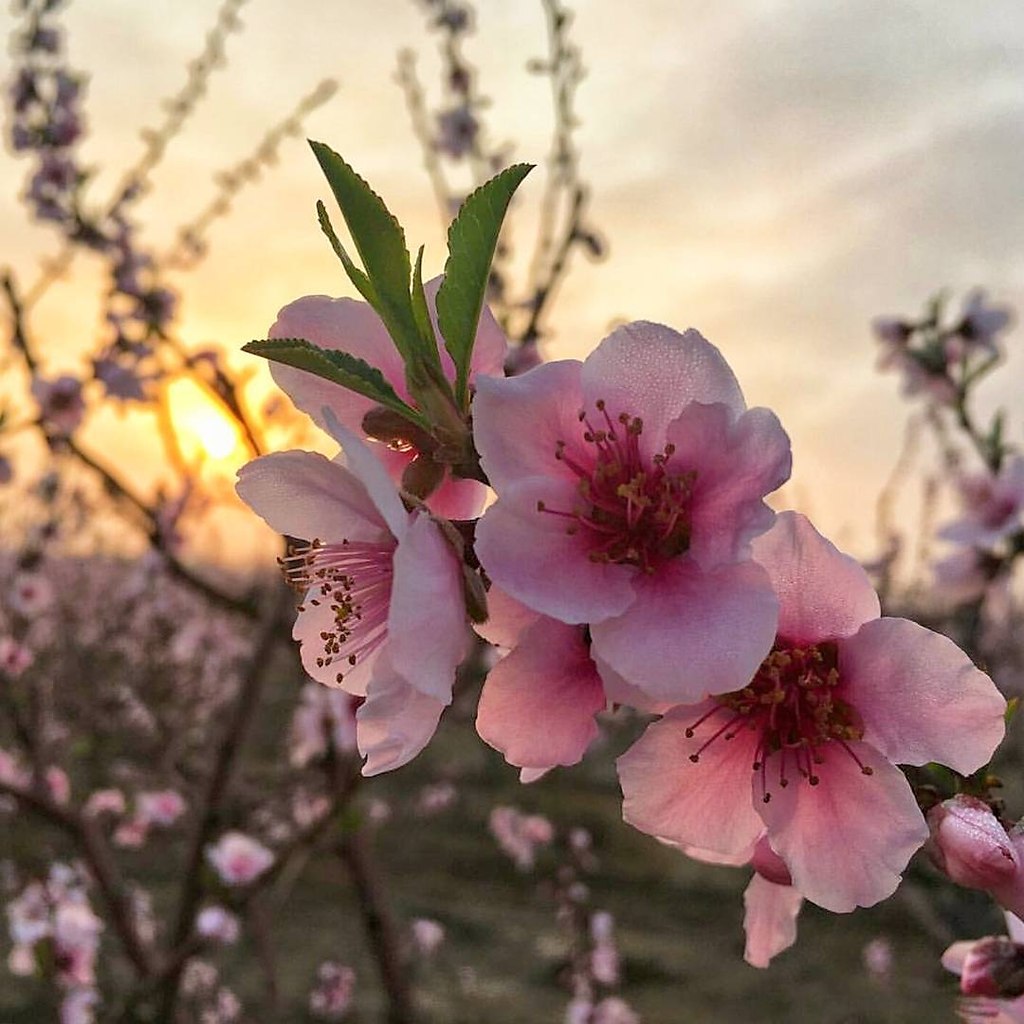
{"points": [[379, 927], [228, 748]]}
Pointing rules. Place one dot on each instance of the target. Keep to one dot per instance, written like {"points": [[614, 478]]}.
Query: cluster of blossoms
{"points": [[938, 359], [53, 928], [631, 560]]}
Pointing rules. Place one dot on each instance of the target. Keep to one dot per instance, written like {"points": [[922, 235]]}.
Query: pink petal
{"points": [[310, 622], [708, 804], [737, 462], [769, 919], [507, 619], [823, 594], [529, 554], [618, 691], [427, 629], [303, 494], [651, 371], [690, 633], [731, 860], [458, 499], [518, 422], [847, 840], [371, 473], [920, 697], [395, 722], [954, 957], [345, 325], [538, 703]]}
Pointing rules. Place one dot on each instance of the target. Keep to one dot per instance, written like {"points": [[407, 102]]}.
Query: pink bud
{"points": [[970, 845], [993, 966]]}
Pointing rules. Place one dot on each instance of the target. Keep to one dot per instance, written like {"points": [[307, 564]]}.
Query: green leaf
{"points": [[338, 367], [472, 238], [357, 277], [421, 311], [380, 242]]}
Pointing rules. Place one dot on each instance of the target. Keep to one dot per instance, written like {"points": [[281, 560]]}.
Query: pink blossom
{"points": [[77, 1006], [217, 924], [104, 801], [161, 807], [30, 594], [239, 859], [806, 752], [519, 835], [383, 613], [981, 322], [990, 971], [993, 506], [14, 657], [60, 402], [878, 959], [354, 327], [962, 576], [322, 715], [638, 476], [331, 998], [427, 936], [58, 784]]}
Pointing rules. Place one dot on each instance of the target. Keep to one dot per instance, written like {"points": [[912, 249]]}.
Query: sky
{"points": [[772, 173]]}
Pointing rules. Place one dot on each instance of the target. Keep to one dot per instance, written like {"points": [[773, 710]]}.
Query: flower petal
{"points": [[311, 622], [538, 703], [529, 554], [823, 594], [920, 697], [651, 371], [737, 462], [345, 325], [507, 619], [769, 919], [395, 722], [691, 633], [427, 629], [707, 804], [371, 473], [846, 840], [304, 494], [519, 421]]}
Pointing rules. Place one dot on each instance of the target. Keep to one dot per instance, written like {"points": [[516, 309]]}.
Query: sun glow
{"points": [[203, 431]]}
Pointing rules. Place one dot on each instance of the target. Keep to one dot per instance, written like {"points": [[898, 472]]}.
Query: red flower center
{"points": [[634, 513], [794, 705]]}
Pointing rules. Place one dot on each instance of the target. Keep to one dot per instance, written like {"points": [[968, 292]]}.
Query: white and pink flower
{"points": [[383, 614], [353, 327], [993, 506], [629, 489], [239, 859], [806, 750]]}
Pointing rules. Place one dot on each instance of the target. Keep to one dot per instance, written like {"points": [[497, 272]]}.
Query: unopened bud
{"points": [[395, 431], [422, 476], [993, 966], [969, 844]]}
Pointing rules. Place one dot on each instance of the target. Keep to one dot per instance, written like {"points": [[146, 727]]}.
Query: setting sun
{"points": [[202, 430]]}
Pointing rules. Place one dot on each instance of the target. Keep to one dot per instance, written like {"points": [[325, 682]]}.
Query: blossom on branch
{"points": [[629, 489], [806, 751], [383, 614]]}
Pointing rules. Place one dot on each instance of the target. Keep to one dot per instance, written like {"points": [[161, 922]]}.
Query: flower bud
{"points": [[993, 966], [970, 845]]}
